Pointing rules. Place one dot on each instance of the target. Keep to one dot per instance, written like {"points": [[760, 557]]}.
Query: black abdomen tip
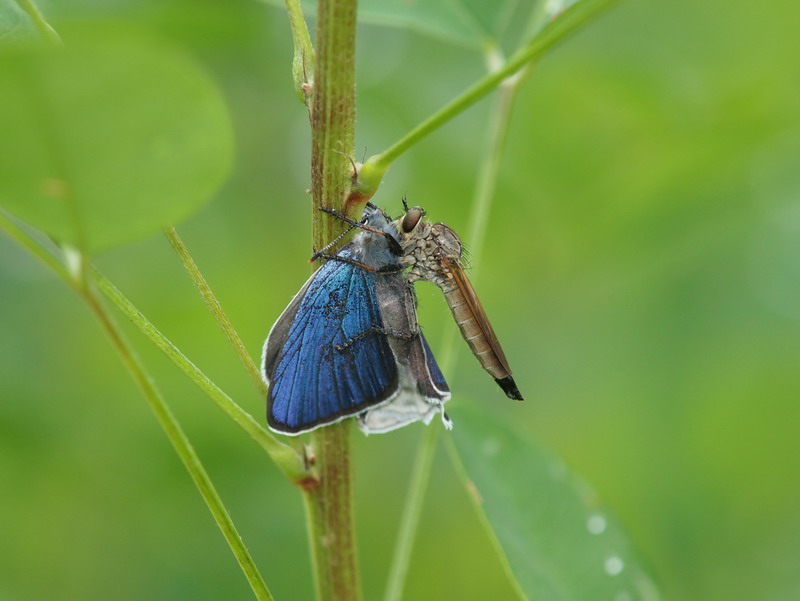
{"points": [[509, 387]]}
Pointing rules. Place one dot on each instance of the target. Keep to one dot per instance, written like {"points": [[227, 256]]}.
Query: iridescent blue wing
{"points": [[312, 382]]}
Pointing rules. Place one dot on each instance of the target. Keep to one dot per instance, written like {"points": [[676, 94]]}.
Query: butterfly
{"points": [[349, 345]]}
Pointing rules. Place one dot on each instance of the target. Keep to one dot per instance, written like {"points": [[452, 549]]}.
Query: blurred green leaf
{"points": [[464, 22], [560, 543], [473, 23], [467, 22], [110, 138], [14, 23]]}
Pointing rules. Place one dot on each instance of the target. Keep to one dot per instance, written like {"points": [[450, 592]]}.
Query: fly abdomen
{"points": [[471, 330]]}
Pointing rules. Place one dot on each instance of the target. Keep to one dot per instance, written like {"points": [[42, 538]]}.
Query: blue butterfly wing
{"points": [[312, 382]]}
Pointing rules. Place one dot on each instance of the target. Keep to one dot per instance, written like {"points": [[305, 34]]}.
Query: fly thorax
{"points": [[448, 244]]}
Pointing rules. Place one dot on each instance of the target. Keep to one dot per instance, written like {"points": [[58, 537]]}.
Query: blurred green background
{"points": [[642, 269]]}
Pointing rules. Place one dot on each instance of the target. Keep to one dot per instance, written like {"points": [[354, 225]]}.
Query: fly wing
{"points": [[430, 380], [476, 308], [323, 359], [421, 395]]}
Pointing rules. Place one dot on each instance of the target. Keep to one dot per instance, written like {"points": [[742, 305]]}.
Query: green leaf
{"points": [[465, 22], [559, 542], [14, 23], [472, 23], [452, 20], [110, 138]]}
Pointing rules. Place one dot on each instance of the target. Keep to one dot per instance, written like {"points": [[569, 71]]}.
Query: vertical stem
{"points": [[329, 506], [329, 510], [333, 114]]}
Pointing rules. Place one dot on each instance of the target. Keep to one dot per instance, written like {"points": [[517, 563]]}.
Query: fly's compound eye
{"points": [[410, 221]]}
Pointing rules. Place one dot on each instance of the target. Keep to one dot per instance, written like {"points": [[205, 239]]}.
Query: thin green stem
{"points": [[182, 446], [303, 61], [216, 309], [285, 457], [567, 23], [329, 508], [34, 247], [37, 18], [333, 117], [329, 502]]}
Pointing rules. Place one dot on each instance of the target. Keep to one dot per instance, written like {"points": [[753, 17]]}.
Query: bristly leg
{"points": [[394, 245], [321, 255], [374, 330], [321, 252]]}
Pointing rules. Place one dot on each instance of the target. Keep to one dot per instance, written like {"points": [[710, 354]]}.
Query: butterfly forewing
{"points": [[316, 376]]}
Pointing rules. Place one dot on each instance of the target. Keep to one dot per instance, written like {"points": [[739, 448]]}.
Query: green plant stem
{"points": [[30, 244], [568, 22], [329, 511], [303, 61], [329, 503], [182, 446], [216, 309], [333, 117], [41, 24], [285, 457]]}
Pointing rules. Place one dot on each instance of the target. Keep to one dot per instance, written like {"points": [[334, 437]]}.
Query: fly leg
{"points": [[381, 270], [394, 245], [321, 255], [375, 330], [321, 252]]}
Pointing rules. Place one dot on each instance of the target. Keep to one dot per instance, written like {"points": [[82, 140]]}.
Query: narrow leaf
{"points": [[110, 138], [559, 542]]}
